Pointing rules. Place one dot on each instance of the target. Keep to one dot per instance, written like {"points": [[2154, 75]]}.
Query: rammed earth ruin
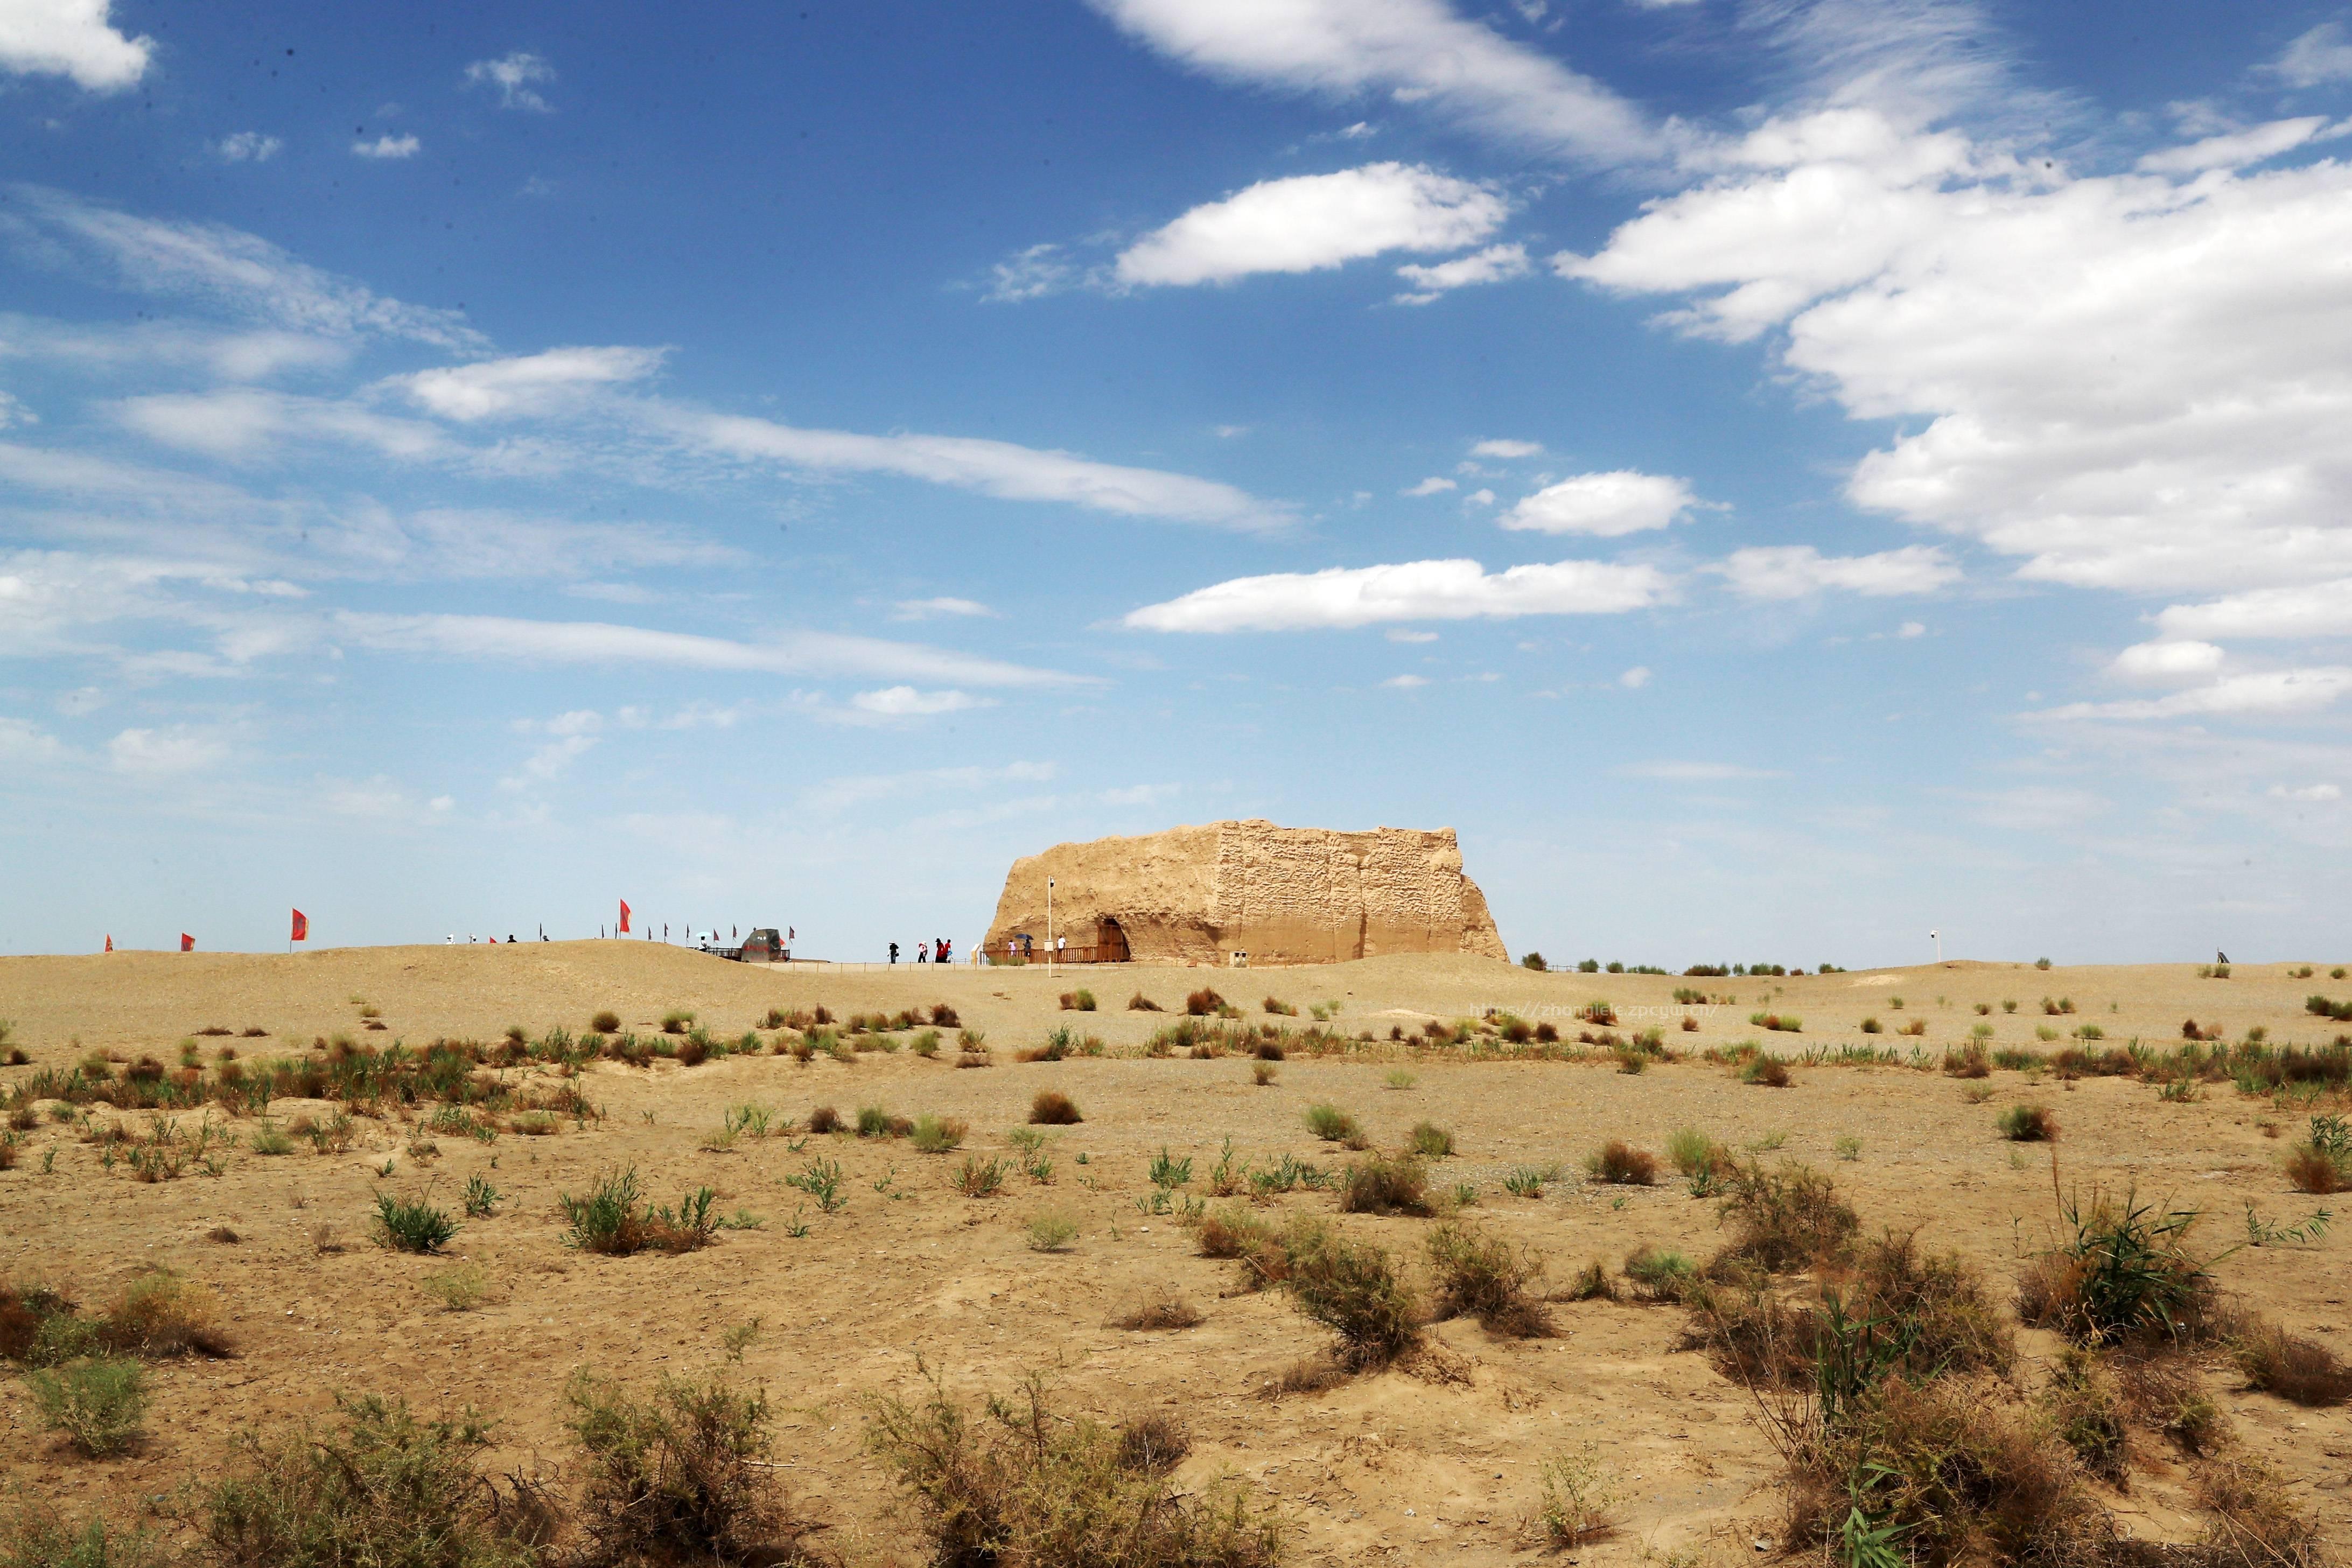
{"points": [[1279, 895]]}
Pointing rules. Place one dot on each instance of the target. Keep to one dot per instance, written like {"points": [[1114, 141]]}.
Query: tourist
{"points": [[894, 953]]}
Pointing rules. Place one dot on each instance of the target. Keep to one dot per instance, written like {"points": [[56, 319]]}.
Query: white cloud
{"points": [[2321, 55], [2129, 381], [927, 609], [162, 752], [906, 702], [389, 146], [2168, 660], [2276, 693], [1693, 773], [1434, 485], [1308, 222], [14, 412], [1911, 629], [485, 638], [2313, 793], [1506, 448], [1410, 591], [70, 38], [1796, 570], [1481, 496], [525, 385], [2235, 149], [1400, 635], [840, 793], [550, 761], [2304, 610], [513, 75], [998, 468], [1636, 678], [143, 347], [1417, 51], [1495, 264], [247, 146], [1607, 504], [223, 267], [1405, 682], [245, 423], [23, 745], [1038, 270]]}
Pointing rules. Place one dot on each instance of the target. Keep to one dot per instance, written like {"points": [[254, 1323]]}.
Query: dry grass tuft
{"points": [[1355, 1289], [1203, 1003], [1140, 1002], [1480, 1275], [1162, 1307], [1018, 1486], [2291, 1366], [1052, 1107], [1620, 1163], [1382, 1185]]}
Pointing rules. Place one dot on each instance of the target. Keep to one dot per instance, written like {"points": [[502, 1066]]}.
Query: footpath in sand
{"points": [[1401, 1466]]}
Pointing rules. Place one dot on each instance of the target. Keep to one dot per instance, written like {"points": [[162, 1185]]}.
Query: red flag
{"points": [[110, 941], [301, 927], [624, 914], [187, 942]]}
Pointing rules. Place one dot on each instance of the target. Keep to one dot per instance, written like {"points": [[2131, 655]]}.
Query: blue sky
{"points": [[1775, 476]]}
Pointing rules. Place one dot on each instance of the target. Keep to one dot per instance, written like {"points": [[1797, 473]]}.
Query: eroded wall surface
{"points": [[1284, 895]]}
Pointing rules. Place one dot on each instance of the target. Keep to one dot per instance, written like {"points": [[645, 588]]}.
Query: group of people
{"points": [[939, 950]]}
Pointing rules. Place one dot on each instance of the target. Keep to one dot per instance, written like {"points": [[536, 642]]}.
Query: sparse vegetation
{"points": [[1020, 1486], [1052, 1231], [1428, 1141], [1620, 1163], [96, 1402], [1140, 1002], [2029, 1124], [1578, 1498], [939, 1134], [1161, 1306], [1381, 1185], [614, 1220], [1334, 1125], [1355, 1289], [412, 1224], [680, 1474], [1480, 1275]]}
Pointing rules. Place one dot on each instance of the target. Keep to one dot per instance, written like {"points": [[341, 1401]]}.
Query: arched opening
{"points": [[1110, 942]]}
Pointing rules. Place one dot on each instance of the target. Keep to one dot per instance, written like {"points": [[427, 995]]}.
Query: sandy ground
{"points": [[1393, 1467]]}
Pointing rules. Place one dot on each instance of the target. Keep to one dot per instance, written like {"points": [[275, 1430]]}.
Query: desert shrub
{"points": [[1703, 1163], [1381, 1185], [1429, 1142], [1161, 1306], [1331, 1125], [1052, 1231], [1140, 1002], [1204, 1003], [615, 1221], [1355, 1289], [1592, 1283], [1970, 1061], [159, 1315], [460, 1288], [35, 1536], [876, 1121], [1619, 1162], [2255, 1523], [1659, 1275], [2291, 1366], [1080, 1001], [2121, 1270], [676, 1020], [825, 1119], [1019, 1486], [2322, 1162], [2029, 1124], [1052, 1107], [1480, 1275], [1949, 1469], [939, 1134], [1784, 1219], [97, 1402], [412, 1224], [383, 1489], [1767, 1071], [681, 1475], [1579, 1500], [1274, 1005], [1262, 1072], [980, 1178]]}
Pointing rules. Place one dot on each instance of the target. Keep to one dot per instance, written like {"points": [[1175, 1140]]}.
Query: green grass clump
{"points": [[412, 1224], [97, 1402], [39, 1537], [1429, 1142], [1333, 1125], [1052, 1231], [939, 1134], [1659, 1275], [2029, 1124], [614, 1220]]}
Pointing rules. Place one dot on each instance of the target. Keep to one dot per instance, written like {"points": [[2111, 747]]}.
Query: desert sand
{"points": [[1434, 1464]]}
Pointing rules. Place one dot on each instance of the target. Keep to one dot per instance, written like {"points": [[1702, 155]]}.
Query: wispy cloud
{"points": [[515, 77], [1799, 571], [388, 146], [1310, 222]]}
